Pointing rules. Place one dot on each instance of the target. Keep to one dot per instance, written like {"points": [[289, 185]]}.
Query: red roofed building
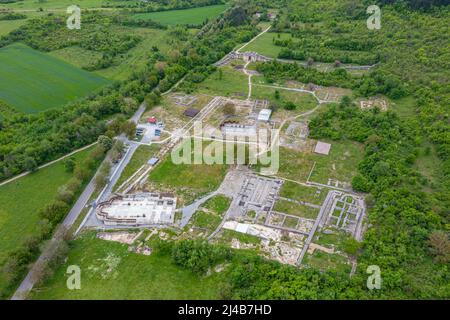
{"points": [[152, 120]]}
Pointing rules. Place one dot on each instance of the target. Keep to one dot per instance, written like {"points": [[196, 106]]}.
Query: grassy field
{"points": [[264, 44], [296, 209], [139, 158], [32, 81], [194, 16], [110, 271], [136, 58], [226, 236], [6, 26], [187, 180], [22, 199], [340, 164], [430, 166], [298, 192], [60, 5], [226, 82]]}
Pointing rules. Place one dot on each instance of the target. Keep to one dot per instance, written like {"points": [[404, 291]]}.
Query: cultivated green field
{"points": [[7, 26], [296, 209], [212, 213], [32, 81], [60, 5], [303, 101], [194, 16], [22, 199], [340, 164], [110, 271], [299, 192]]}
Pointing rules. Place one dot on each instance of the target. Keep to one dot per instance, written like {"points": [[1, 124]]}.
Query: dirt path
{"points": [[256, 37], [249, 80]]}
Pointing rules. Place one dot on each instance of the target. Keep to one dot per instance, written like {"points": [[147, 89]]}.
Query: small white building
{"points": [[264, 115], [322, 148], [138, 209]]}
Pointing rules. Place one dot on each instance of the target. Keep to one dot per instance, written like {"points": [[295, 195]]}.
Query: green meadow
{"points": [[22, 199], [6, 26], [194, 16], [225, 81], [264, 44], [32, 81], [110, 271]]}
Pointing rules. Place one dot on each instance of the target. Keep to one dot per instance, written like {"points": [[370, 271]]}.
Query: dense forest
{"points": [[408, 213]]}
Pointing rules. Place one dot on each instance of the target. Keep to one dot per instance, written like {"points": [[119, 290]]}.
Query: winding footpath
{"points": [[256, 37]]}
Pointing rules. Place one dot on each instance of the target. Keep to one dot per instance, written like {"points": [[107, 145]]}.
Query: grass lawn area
{"points": [[226, 236], [294, 165], [296, 209], [187, 180], [264, 44], [298, 192], [405, 107], [341, 164], [430, 166], [32, 81], [226, 82], [23, 198], [335, 239], [6, 26], [206, 220], [219, 204], [110, 271], [303, 101], [326, 261], [140, 157], [193, 16], [212, 213]]}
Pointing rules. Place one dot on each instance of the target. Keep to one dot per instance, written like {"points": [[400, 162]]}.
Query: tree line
{"points": [[17, 261]]}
